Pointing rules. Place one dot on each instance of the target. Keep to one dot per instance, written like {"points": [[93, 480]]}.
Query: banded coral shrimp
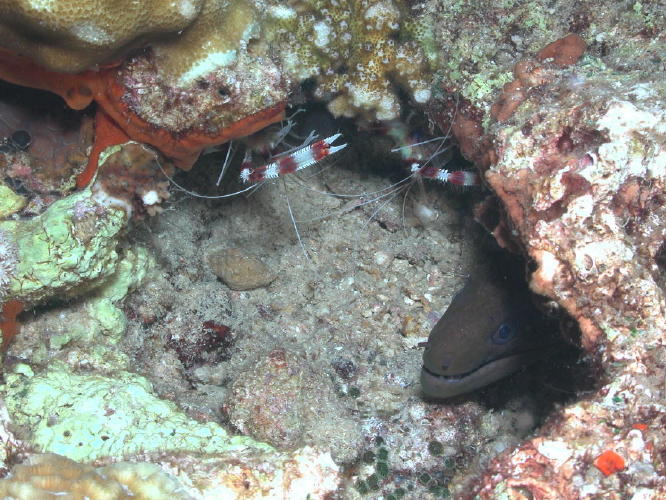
{"points": [[282, 151], [275, 153], [411, 157], [427, 164]]}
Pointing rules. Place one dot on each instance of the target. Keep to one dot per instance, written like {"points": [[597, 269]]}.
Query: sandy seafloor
{"points": [[328, 354]]}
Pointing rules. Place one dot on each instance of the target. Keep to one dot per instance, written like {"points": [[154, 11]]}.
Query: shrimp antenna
{"points": [[203, 196], [293, 221], [227, 162]]}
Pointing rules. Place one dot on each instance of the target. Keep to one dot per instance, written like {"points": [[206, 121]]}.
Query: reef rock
{"points": [[581, 173], [270, 404], [564, 113]]}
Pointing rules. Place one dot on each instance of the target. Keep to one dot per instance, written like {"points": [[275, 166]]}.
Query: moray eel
{"points": [[488, 332]]}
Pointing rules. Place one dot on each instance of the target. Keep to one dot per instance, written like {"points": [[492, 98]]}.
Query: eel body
{"points": [[490, 330]]}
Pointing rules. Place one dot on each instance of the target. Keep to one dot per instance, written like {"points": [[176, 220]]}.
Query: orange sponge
{"points": [[115, 122], [8, 324]]}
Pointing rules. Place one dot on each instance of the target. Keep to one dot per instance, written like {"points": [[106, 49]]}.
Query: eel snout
{"points": [[489, 331]]}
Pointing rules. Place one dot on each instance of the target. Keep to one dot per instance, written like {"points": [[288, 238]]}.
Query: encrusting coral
{"points": [[70, 245], [530, 73], [100, 416], [10, 202], [54, 476], [356, 52]]}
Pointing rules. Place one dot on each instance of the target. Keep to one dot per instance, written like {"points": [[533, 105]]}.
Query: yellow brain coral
{"points": [[72, 36], [49, 475], [357, 51], [215, 41]]}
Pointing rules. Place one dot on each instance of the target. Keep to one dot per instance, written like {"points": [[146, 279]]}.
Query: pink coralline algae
{"points": [[580, 171]]}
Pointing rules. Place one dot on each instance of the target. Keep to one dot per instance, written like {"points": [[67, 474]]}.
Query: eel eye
{"points": [[503, 334], [21, 139]]}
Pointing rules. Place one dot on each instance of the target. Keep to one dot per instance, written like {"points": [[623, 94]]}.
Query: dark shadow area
{"points": [[660, 260]]}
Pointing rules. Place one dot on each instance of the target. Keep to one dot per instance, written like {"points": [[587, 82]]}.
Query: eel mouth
{"points": [[445, 386], [453, 378]]}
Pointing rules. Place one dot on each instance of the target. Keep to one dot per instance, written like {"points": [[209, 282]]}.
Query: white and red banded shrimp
{"points": [[423, 159], [287, 162], [299, 159], [455, 177], [282, 164]]}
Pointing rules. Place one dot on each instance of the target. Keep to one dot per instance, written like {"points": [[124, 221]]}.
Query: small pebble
{"points": [[425, 214], [238, 270], [382, 258]]}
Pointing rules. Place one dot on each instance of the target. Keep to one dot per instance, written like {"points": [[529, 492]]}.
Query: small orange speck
{"points": [[609, 462], [640, 427]]}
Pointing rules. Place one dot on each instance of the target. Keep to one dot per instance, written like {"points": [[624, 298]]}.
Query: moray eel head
{"points": [[486, 333]]}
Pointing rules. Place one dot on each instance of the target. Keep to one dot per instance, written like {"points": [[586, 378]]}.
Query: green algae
{"points": [[86, 416], [10, 202], [64, 250]]}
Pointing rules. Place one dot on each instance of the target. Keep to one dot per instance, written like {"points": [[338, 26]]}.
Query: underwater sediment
{"points": [[163, 344]]}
